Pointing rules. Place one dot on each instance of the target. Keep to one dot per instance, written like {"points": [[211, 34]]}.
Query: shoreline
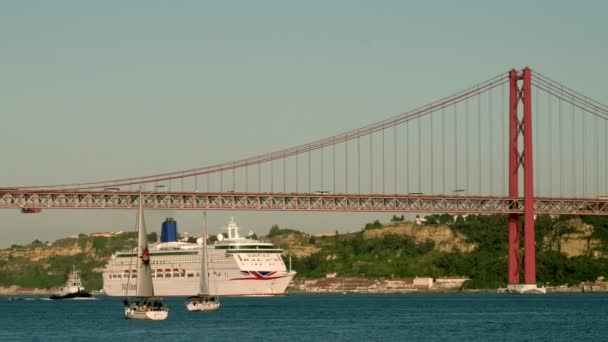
{"points": [[15, 290], [18, 290]]}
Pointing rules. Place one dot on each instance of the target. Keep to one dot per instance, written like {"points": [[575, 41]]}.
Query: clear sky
{"points": [[113, 89]]}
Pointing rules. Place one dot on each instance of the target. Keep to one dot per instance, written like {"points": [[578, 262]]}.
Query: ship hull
{"points": [[217, 287], [76, 295]]}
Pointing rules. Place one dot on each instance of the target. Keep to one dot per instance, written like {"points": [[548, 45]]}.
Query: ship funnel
{"points": [[169, 230]]}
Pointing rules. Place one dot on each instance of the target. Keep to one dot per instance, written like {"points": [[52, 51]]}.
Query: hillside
{"points": [[569, 250], [45, 265]]}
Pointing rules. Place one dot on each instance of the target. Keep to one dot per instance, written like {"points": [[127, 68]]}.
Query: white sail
{"points": [[144, 270]]}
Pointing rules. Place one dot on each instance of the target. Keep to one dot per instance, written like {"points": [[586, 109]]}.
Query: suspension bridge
{"points": [[461, 154]]}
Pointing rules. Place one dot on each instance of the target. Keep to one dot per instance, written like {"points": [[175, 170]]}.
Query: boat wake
{"points": [[46, 298]]}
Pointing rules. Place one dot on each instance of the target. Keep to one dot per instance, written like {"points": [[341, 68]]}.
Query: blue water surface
{"points": [[406, 317]]}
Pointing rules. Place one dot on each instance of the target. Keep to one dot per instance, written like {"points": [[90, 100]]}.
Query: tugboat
{"points": [[73, 288]]}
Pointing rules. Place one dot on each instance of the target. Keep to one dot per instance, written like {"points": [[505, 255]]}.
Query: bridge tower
{"points": [[521, 93]]}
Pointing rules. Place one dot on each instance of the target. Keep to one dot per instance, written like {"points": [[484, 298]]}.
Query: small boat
{"points": [[145, 306], [203, 301], [73, 288]]}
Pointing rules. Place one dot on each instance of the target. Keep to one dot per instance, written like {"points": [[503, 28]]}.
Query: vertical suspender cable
{"points": [[504, 120], [371, 164], [222, 181], [383, 170], [466, 143], [407, 157], [561, 148], [309, 178], [443, 133], [573, 147], [455, 147], [233, 179], [333, 155], [346, 166], [208, 186], [583, 140], [550, 147], [297, 172], [490, 138], [322, 185], [597, 158], [432, 171], [246, 177], [537, 155], [358, 163], [272, 174], [284, 174], [479, 141], [394, 158], [419, 156]]}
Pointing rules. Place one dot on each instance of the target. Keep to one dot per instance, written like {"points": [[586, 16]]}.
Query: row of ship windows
{"points": [[163, 262], [167, 275], [258, 259], [273, 256], [259, 264], [159, 275]]}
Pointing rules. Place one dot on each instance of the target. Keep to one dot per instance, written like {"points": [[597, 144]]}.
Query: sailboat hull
{"points": [[146, 315], [202, 306], [203, 303]]}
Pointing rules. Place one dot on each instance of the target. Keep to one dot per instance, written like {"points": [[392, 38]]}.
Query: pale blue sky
{"points": [[98, 90]]}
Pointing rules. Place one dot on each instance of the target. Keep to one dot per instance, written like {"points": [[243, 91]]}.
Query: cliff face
{"points": [[444, 237], [36, 253], [296, 244], [573, 238], [39, 265]]}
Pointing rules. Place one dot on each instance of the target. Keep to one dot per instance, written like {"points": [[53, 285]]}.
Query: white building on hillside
{"points": [[450, 282]]}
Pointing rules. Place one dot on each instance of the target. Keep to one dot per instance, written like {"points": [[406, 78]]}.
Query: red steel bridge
{"points": [[519, 144]]}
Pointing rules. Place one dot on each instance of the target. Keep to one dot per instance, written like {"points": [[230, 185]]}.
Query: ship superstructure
{"points": [[237, 266], [73, 288]]}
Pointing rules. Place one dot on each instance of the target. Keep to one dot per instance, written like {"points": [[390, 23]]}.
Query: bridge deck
{"points": [[299, 202]]}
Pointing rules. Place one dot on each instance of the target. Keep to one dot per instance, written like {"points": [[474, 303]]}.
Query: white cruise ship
{"points": [[238, 266]]}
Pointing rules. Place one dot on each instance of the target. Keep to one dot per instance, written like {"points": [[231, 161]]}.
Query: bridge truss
{"points": [[299, 202]]}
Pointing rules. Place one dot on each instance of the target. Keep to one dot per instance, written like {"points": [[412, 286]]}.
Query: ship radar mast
{"points": [[233, 230]]}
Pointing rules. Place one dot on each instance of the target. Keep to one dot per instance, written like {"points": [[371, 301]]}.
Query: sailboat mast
{"points": [[204, 284]]}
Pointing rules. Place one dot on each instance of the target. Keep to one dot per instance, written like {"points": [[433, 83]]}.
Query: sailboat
{"points": [[146, 306], [204, 301]]}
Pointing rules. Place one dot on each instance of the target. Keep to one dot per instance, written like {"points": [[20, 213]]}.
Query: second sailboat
{"points": [[203, 301]]}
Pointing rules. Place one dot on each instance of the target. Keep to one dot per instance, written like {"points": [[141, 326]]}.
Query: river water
{"points": [[351, 317]]}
